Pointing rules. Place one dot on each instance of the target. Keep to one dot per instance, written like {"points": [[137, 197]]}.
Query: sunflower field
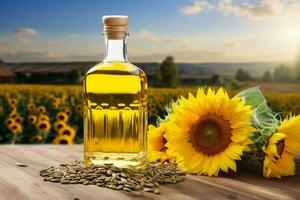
{"points": [[53, 114]]}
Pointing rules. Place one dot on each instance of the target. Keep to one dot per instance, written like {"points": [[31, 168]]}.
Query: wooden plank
{"points": [[25, 183]]}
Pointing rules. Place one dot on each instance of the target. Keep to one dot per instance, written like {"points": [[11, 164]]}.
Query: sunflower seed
{"points": [[109, 176], [148, 189], [149, 185], [113, 187], [21, 164], [55, 180], [76, 198], [107, 179], [85, 183], [126, 189], [109, 172], [119, 187]]}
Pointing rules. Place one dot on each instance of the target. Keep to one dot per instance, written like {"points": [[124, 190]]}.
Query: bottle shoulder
{"points": [[117, 67]]}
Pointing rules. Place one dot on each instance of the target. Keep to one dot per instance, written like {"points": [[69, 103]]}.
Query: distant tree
{"points": [[267, 77], [297, 68], [215, 80], [282, 73], [169, 72], [73, 76], [156, 78], [243, 75]]}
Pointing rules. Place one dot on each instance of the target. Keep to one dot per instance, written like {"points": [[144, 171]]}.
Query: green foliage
{"points": [[215, 80], [267, 76], [73, 76], [282, 73], [243, 75], [297, 68], [157, 78], [169, 73]]}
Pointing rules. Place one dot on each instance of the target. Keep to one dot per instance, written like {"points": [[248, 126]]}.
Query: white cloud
{"points": [[259, 10], [265, 8], [24, 41], [196, 7], [25, 31], [148, 35]]}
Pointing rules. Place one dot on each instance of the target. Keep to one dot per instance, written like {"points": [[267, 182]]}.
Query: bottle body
{"points": [[115, 115]]}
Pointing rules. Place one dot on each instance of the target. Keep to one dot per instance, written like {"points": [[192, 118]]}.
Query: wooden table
{"points": [[23, 183]]}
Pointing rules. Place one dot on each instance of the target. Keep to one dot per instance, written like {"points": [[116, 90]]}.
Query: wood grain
{"points": [[22, 183]]}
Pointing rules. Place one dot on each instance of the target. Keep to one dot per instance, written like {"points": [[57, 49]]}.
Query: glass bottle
{"points": [[115, 103]]}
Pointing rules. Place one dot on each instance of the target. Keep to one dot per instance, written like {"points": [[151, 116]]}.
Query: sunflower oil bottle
{"points": [[115, 103]]}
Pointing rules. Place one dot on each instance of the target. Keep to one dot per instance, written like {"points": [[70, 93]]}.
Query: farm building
{"points": [[73, 72], [6, 74], [62, 72]]}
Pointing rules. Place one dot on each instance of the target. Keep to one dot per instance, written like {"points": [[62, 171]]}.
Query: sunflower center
{"points": [[43, 126], [211, 134], [280, 147], [67, 132], [63, 142]]}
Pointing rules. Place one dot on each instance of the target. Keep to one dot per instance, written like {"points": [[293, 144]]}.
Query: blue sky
{"points": [[190, 30]]}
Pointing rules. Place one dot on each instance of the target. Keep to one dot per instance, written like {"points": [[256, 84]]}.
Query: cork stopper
{"points": [[115, 26]]}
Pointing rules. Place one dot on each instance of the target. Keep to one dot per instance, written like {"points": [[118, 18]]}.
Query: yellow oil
{"points": [[115, 115]]}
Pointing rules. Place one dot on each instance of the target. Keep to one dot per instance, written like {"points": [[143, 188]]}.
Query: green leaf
{"points": [[263, 119], [252, 96], [263, 116]]}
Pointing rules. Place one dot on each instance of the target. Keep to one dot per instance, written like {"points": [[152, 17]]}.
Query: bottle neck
{"points": [[115, 50]]}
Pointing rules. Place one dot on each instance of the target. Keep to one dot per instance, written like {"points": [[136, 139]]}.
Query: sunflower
{"points": [[13, 102], [36, 138], [157, 151], [55, 102], [13, 115], [16, 128], [8, 122], [41, 109], [78, 108], [62, 116], [43, 126], [207, 133], [281, 148], [43, 118], [63, 140], [59, 125], [67, 130], [66, 110], [19, 119], [32, 119], [13, 109], [31, 107]]}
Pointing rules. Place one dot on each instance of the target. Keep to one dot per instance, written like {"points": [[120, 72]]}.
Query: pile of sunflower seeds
{"points": [[111, 177]]}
